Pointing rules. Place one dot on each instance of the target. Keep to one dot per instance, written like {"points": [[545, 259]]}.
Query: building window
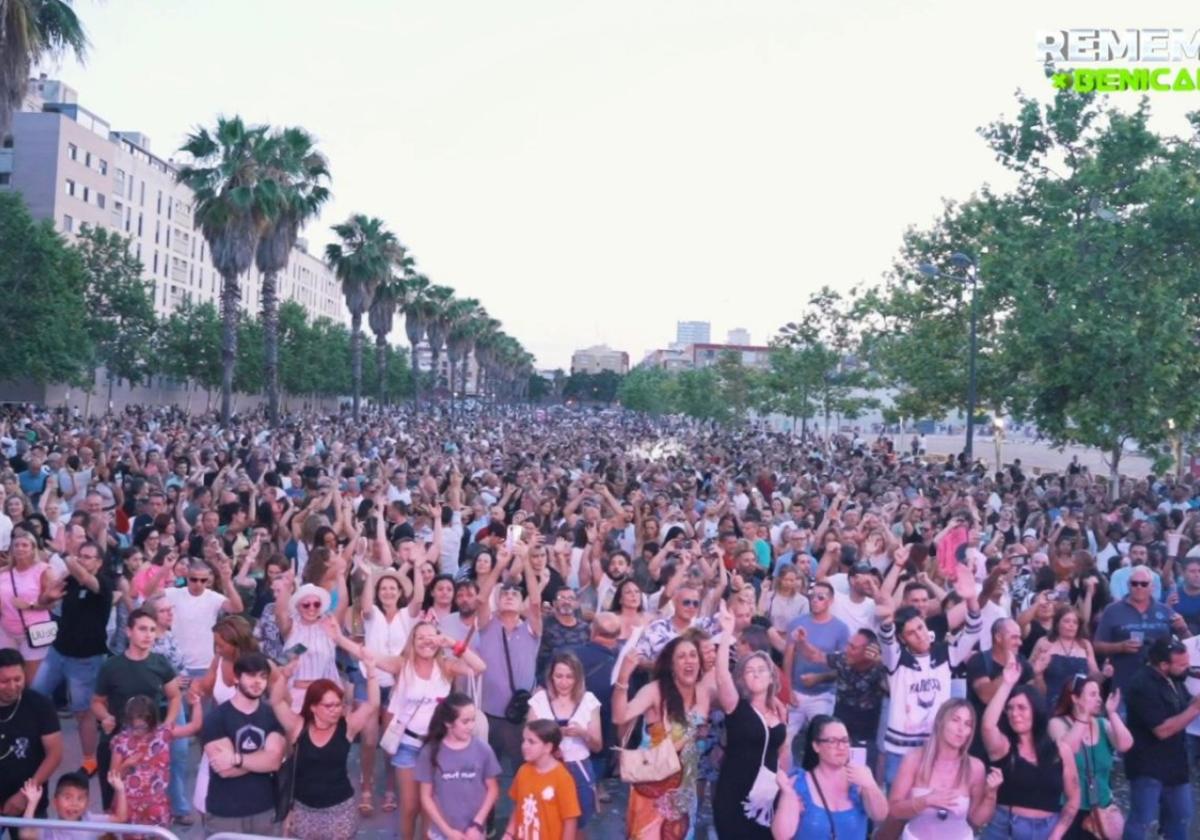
{"points": [[87, 159], [169, 205], [72, 151], [139, 224], [156, 262], [142, 200], [68, 224], [100, 200], [157, 231], [158, 207], [70, 186], [5, 178], [103, 166], [87, 195]]}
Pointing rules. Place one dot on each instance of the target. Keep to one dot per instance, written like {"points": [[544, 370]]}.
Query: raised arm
{"points": [[994, 741], [727, 693]]}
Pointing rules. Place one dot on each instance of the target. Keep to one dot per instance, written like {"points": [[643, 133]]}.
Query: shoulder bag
{"points": [[653, 764], [759, 804], [285, 782], [518, 705], [40, 634], [1107, 823]]}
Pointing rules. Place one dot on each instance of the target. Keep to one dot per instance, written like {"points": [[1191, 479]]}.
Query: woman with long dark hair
{"points": [[674, 706], [323, 732], [457, 771], [1092, 729], [1062, 654], [828, 796], [1040, 793], [628, 604]]}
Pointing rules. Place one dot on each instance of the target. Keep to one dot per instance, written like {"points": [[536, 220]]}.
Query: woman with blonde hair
{"points": [[423, 676], [28, 588], [943, 792]]}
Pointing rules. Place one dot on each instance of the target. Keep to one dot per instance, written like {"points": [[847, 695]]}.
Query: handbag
{"points": [[389, 742], [517, 709], [40, 634], [285, 783], [1107, 823], [759, 804], [653, 764]]}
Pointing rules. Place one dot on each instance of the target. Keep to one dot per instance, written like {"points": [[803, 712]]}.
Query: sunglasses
{"points": [[198, 580], [690, 602], [310, 605], [1139, 583]]}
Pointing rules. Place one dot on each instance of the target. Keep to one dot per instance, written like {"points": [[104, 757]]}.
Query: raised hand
{"points": [[725, 619], [1012, 672], [1113, 703]]}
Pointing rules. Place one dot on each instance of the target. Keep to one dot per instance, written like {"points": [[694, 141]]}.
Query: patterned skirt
{"points": [[337, 822]]}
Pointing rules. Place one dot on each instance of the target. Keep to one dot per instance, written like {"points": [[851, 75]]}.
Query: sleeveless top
{"points": [[322, 780], [931, 825], [1028, 785], [850, 824], [28, 588], [1095, 761], [414, 699]]}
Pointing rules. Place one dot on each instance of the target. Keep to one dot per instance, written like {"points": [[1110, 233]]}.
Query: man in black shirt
{"points": [[79, 649], [30, 741], [985, 672], [245, 745], [1159, 710]]}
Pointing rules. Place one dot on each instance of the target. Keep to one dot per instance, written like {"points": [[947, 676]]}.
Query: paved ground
{"points": [[1032, 453]]}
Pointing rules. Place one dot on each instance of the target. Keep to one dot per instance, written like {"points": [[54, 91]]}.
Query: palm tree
{"points": [[437, 323], [381, 315], [236, 194], [482, 331], [300, 170], [413, 304], [361, 261], [31, 30], [460, 338]]}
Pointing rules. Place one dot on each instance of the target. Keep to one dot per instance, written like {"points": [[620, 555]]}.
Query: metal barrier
{"points": [[90, 827], [116, 828]]}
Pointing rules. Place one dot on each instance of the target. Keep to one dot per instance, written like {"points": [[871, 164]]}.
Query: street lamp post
{"points": [[970, 275]]}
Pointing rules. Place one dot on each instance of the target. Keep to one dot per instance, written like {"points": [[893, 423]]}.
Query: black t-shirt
{"points": [[983, 665], [1152, 699], [121, 678], [549, 589], [84, 618], [252, 793], [22, 727]]}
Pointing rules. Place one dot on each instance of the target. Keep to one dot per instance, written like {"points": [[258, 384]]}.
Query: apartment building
{"points": [[70, 166]]}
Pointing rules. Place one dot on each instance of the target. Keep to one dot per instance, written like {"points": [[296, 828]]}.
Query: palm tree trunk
{"points": [[270, 323], [230, 294], [356, 358], [416, 378], [381, 365]]}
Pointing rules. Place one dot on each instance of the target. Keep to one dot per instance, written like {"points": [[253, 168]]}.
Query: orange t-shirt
{"points": [[543, 802]]}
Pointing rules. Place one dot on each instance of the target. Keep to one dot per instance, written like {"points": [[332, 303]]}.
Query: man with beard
{"points": [[245, 745], [30, 741], [563, 629]]}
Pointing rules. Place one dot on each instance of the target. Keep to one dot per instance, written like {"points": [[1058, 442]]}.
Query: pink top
{"points": [[29, 588], [947, 548]]}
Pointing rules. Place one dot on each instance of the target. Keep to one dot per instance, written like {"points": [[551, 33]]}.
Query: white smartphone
{"points": [[514, 534], [858, 756]]}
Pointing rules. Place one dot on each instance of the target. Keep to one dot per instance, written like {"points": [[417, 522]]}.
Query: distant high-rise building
{"points": [[599, 358], [738, 335], [693, 332]]}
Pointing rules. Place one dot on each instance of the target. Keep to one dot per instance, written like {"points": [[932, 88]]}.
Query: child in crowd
{"points": [[142, 757], [546, 806], [457, 772], [70, 805]]}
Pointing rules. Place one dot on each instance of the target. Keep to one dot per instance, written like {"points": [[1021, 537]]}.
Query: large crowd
{"points": [[520, 619]]}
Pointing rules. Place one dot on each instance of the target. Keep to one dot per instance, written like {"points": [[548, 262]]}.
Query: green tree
{"points": [[31, 31], [593, 387], [249, 374], [737, 385], [362, 260], [188, 346], [120, 306], [236, 195], [300, 172], [651, 390], [699, 395], [42, 309]]}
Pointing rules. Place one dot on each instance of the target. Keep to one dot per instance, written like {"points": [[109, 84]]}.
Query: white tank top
{"points": [[414, 699]]}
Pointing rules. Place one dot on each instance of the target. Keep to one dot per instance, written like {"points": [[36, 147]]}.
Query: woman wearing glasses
{"points": [[322, 733], [828, 796], [311, 638], [943, 792]]}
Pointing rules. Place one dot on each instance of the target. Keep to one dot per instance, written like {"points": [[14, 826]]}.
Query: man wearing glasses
{"points": [[658, 633], [817, 635], [197, 608], [1129, 626]]}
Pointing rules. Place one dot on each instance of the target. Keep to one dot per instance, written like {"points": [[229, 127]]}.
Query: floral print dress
{"points": [[146, 758]]}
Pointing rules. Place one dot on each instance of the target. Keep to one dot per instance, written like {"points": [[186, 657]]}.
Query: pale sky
{"points": [[595, 171]]}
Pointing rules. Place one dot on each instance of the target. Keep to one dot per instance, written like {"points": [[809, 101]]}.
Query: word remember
{"points": [[1107, 45]]}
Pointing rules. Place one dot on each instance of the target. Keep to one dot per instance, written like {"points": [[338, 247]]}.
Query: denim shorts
{"points": [[79, 673], [405, 757]]}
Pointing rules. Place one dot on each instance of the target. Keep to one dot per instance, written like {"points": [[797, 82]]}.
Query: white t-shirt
{"points": [[573, 747], [451, 547], [855, 616], [193, 627], [384, 638]]}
